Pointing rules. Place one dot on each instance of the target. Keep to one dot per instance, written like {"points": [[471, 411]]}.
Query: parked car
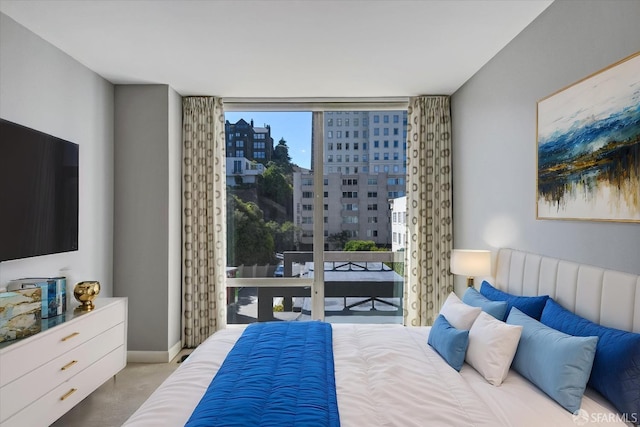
{"points": [[279, 271]]}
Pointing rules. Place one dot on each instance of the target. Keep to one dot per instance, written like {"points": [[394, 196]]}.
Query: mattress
{"points": [[386, 375]]}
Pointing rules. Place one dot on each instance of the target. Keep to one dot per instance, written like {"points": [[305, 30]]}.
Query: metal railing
{"points": [[369, 277]]}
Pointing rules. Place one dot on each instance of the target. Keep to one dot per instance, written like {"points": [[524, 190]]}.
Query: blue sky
{"points": [[294, 127]]}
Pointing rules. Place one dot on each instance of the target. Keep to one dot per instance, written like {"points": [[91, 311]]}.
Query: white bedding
{"points": [[386, 375]]}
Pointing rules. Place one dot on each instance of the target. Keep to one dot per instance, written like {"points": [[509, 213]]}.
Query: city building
{"points": [[241, 170], [245, 140], [364, 167], [399, 224], [369, 142]]}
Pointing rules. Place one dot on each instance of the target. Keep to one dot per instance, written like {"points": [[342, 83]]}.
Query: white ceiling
{"points": [[274, 48]]}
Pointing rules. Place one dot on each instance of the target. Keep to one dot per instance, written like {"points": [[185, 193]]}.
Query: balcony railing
{"points": [[356, 284]]}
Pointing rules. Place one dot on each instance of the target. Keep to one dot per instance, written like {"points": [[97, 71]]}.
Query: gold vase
{"points": [[85, 293]]}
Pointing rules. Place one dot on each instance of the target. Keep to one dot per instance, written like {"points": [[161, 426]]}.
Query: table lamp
{"points": [[470, 263]]}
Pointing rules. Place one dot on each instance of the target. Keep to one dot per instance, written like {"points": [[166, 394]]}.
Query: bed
{"points": [[386, 375]]}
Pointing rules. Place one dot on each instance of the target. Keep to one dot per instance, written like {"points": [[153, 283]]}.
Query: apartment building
{"points": [[364, 167], [399, 224], [245, 140], [241, 170]]}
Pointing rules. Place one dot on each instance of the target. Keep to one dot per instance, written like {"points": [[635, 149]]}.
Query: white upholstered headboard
{"points": [[610, 298]]}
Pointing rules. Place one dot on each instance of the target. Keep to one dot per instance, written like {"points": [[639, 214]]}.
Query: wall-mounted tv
{"points": [[38, 193]]}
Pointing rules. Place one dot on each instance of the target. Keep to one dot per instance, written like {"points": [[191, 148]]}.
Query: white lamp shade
{"points": [[470, 263]]}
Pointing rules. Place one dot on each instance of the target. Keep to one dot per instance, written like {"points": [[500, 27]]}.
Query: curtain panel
{"points": [[203, 219], [429, 221]]}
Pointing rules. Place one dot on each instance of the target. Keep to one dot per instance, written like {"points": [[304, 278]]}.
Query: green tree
{"points": [[249, 239], [338, 240], [281, 156], [362, 245], [283, 235], [274, 185]]}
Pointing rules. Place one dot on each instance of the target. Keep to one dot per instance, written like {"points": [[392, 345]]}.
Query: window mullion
{"points": [[317, 290]]}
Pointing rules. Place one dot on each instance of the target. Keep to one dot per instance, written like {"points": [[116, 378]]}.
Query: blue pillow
{"points": [[531, 306], [558, 363], [616, 367], [497, 309], [449, 342]]}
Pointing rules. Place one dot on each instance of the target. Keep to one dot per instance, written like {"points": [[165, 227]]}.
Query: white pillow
{"points": [[459, 314], [492, 346]]}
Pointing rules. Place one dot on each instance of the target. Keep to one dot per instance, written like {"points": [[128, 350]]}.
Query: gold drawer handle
{"points": [[69, 393], [68, 365], [68, 337]]}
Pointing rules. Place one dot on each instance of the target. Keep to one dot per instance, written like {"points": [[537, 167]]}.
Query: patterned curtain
{"points": [[204, 248], [429, 220]]}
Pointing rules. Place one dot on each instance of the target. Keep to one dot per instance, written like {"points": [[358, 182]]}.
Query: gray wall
{"points": [[45, 89], [494, 135], [139, 257], [147, 217]]}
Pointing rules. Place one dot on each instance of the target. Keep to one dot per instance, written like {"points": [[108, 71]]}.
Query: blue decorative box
{"points": [[20, 313], [54, 293]]}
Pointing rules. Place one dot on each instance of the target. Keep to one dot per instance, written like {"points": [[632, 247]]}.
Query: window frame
{"points": [[318, 107]]}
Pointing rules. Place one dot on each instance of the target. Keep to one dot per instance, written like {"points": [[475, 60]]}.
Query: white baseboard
{"points": [[173, 351], [154, 356]]}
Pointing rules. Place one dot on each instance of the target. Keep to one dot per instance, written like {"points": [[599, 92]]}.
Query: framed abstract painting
{"points": [[588, 147]]}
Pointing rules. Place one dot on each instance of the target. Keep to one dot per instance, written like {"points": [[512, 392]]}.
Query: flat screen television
{"points": [[38, 193]]}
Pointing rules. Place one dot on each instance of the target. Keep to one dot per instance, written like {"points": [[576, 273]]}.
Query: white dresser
{"points": [[45, 375]]}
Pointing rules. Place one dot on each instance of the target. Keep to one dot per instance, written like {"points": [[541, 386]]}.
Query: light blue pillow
{"points": [[559, 364], [449, 342], [616, 366], [497, 309]]}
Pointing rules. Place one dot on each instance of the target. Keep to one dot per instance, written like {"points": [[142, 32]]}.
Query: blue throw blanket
{"points": [[277, 374]]}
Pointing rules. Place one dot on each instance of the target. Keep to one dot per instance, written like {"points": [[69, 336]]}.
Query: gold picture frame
{"points": [[588, 147]]}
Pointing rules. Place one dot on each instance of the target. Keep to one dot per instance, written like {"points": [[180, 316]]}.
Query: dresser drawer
{"points": [[19, 393], [26, 356], [60, 400]]}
